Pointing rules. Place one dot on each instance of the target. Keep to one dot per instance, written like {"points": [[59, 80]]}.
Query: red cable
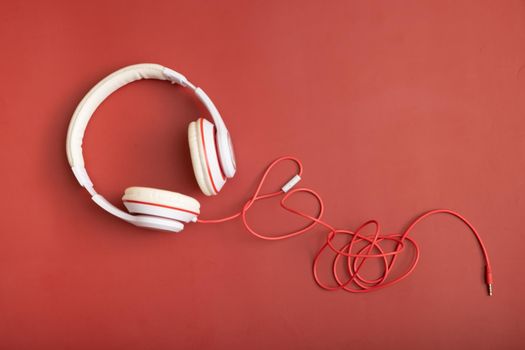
{"points": [[360, 247]]}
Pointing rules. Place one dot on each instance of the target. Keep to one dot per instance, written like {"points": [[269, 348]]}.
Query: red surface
{"points": [[393, 108]]}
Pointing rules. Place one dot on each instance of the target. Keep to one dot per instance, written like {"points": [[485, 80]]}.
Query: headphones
{"points": [[213, 161], [211, 149]]}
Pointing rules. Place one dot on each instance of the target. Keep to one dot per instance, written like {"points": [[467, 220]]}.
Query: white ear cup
{"points": [[204, 158], [226, 153], [161, 203]]}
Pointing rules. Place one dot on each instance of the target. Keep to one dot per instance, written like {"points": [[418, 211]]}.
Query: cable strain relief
{"points": [[488, 275]]}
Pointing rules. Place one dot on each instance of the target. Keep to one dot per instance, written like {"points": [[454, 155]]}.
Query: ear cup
{"points": [[204, 158], [161, 203]]}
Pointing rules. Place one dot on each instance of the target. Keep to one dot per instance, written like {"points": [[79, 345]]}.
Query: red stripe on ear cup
{"points": [[201, 125], [161, 205]]}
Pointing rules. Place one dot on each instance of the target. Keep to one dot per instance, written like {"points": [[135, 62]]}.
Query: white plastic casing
{"points": [[288, 186], [224, 143], [82, 177], [175, 77], [156, 223], [212, 161]]}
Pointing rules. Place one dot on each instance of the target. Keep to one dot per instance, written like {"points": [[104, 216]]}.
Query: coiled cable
{"points": [[360, 247]]}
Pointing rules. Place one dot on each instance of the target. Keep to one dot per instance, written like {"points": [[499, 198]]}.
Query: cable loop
{"points": [[359, 249]]}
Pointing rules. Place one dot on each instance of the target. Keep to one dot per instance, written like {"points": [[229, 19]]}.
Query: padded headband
{"points": [[106, 87], [88, 106]]}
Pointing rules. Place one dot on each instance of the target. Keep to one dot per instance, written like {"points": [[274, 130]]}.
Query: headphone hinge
{"points": [[83, 179]]}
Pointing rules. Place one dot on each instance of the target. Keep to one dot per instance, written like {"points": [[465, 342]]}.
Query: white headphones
{"points": [[156, 208]]}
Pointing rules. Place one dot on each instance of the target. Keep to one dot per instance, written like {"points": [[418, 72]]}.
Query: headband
{"points": [[99, 93]]}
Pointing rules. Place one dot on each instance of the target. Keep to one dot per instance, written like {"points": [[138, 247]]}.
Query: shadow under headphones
{"points": [[210, 145]]}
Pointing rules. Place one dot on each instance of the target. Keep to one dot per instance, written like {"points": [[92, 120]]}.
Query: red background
{"points": [[395, 108]]}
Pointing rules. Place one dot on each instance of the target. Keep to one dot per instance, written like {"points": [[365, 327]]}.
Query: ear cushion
{"points": [[201, 139], [156, 202], [201, 176]]}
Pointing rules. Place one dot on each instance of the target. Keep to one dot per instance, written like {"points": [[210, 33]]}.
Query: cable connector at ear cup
{"points": [[288, 186]]}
